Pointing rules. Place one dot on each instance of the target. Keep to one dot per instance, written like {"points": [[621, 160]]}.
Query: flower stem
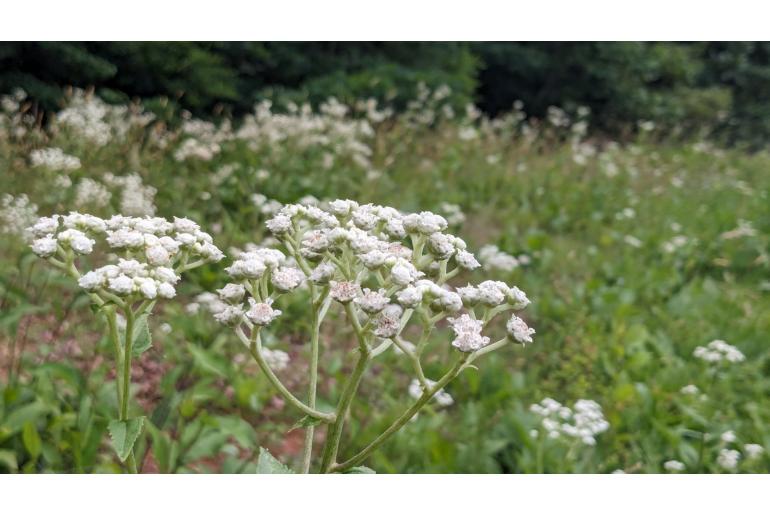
{"points": [[129, 337], [307, 451], [403, 419], [255, 345], [332, 445], [112, 323]]}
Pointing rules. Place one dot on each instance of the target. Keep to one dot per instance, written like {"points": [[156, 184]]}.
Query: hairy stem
{"points": [[112, 323], [403, 419], [307, 450], [334, 434], [129, 337], [255, 345]]}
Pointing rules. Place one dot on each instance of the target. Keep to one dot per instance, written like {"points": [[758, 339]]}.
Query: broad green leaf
{"points": [[31, 439], [360, 470], [124, 434], [142, 339], [267, 464]]}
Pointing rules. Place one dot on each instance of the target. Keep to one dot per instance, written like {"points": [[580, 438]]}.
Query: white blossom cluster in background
{"points": [[300, 128], [91, 193], [14, 122], [155, 251], [358, 256], [16, 214], [453, 213], [583, 422], [202, 140], [97, 122], [54, 159], [729, 458], [495, 259], [674, 466], [719, 351], [136, 198]]}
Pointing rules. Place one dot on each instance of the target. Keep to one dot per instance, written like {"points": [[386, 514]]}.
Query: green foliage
{"points": [[267, 464], [617, 318], [123, 434]]}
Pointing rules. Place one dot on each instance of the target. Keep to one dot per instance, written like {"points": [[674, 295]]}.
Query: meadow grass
{"points": [[636, 254]]}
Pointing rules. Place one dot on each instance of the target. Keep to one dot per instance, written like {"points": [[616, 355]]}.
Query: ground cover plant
{"points": [[646, 262]]}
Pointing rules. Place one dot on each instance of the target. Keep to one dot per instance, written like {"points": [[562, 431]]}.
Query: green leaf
{"points": [[31, 439], [142, 339], [8, 458], [306, 421], [161, 449], [238, 429], [360, 470], [208, 362], [267, 464], [21, 416], [124, 434]]}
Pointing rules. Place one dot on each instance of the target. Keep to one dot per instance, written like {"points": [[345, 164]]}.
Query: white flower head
{"points": [[262, 313], [232, 293], [371, 301], [344, 291], [518, 330], [467, 331], [287, 278], [45, 246]]}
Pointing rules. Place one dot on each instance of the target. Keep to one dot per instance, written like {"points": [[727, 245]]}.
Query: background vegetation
{"points": [[635, 247], [678, 85]]}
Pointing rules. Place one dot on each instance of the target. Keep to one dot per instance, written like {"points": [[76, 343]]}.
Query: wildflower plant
{"points": [[388, 272], [147, 256]]}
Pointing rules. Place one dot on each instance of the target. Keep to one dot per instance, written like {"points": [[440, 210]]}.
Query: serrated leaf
{"points": [[142, 340], [31, 439], [267, 464], [306, 421], [123, 434], [360, 470]]}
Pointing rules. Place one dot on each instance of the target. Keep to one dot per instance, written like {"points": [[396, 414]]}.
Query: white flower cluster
{"points": [[728, 459], [136, 198], [97, 122], [583, 422], [453, 214], [91, 193], [330, 129], [719, 351], [16, 214], [54, 159], [155, 251], [495, 259], [674, 466], [381, 264]]}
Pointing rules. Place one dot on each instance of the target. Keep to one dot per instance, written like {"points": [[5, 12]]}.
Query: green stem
{"points": [[255, 345], [129, 337], [112, 323], [307, 451], [403, 419], [332, 445]]}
